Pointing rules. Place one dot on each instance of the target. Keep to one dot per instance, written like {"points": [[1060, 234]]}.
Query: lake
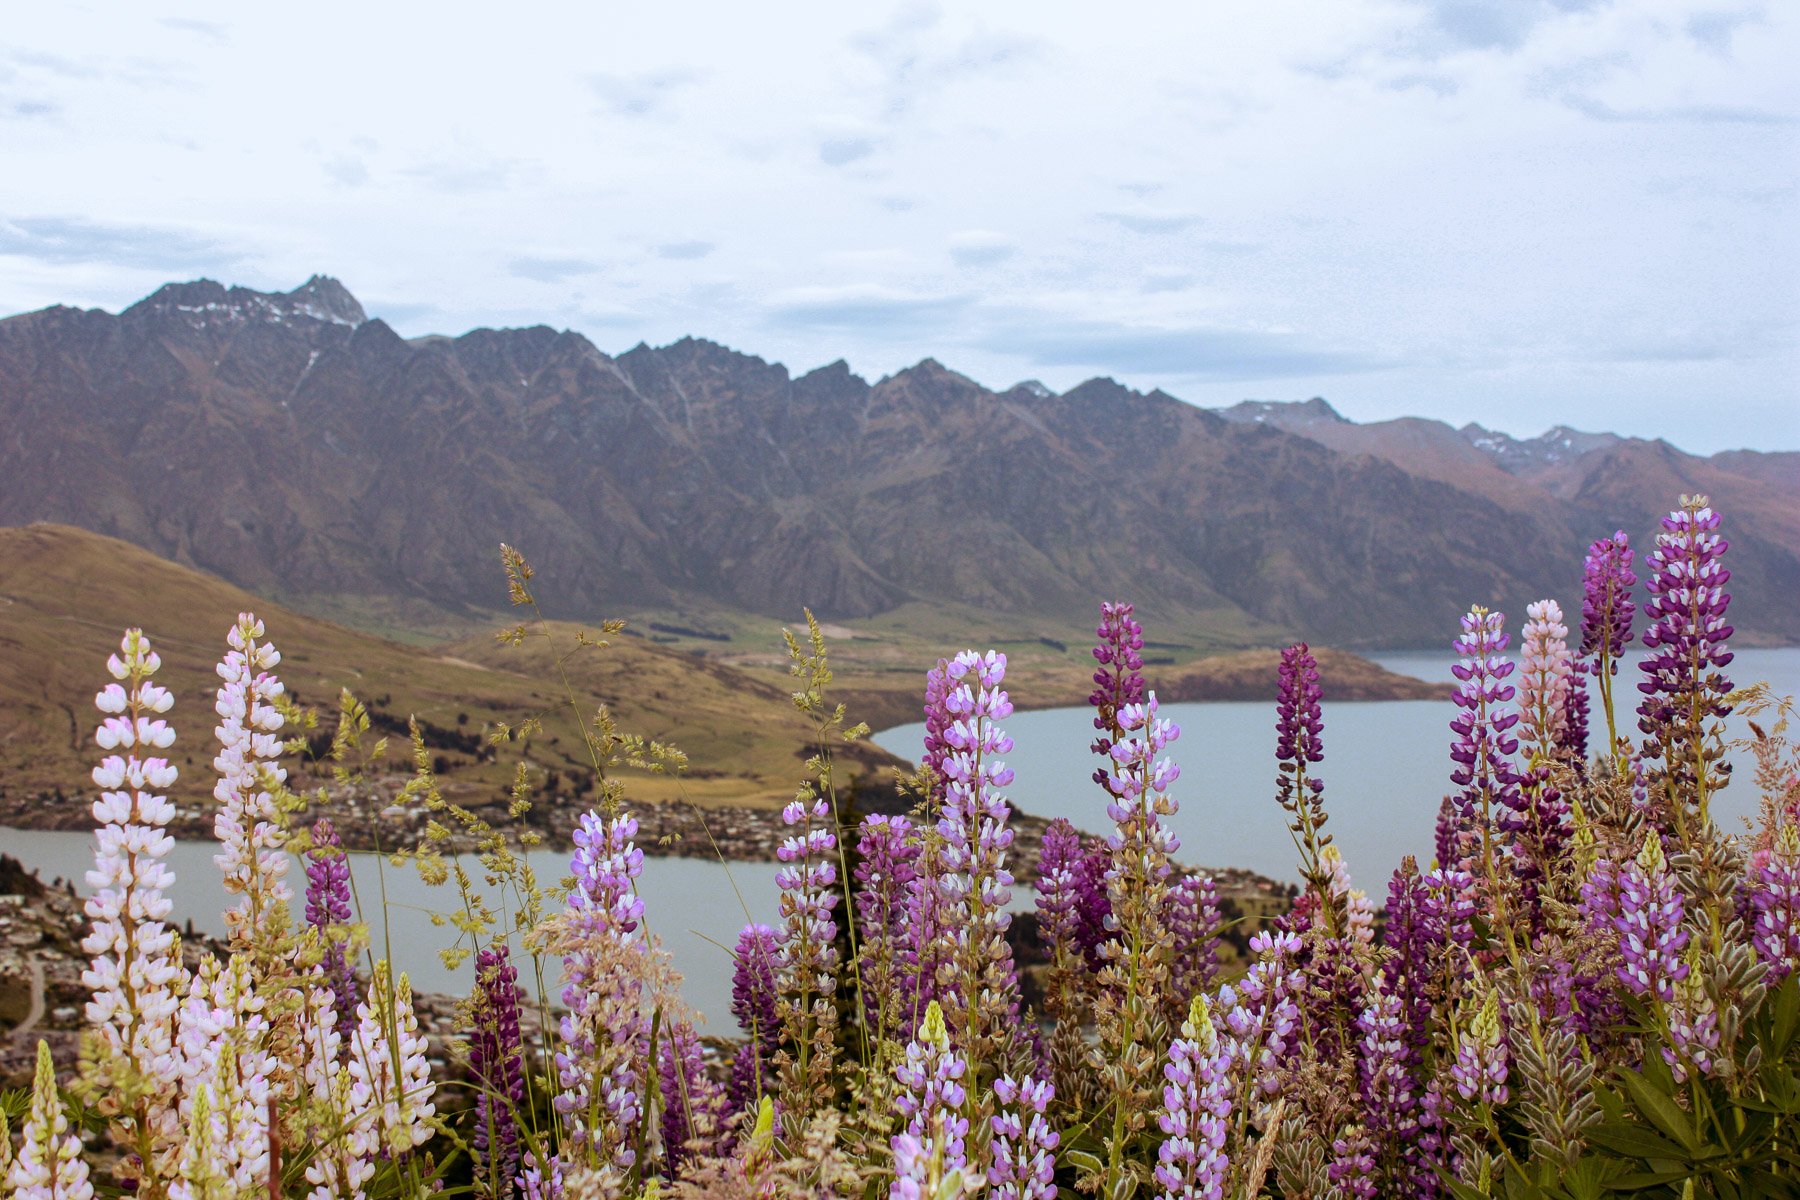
{"points": [[1386, 768]]}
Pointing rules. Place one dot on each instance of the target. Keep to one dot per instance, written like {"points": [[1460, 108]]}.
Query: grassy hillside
{"points": [[66, 594]]}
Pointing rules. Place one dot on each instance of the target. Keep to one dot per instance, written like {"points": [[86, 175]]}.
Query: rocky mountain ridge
{"points": [[298, 448]]}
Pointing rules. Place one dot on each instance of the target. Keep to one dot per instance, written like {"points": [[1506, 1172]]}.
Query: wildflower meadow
{"points": [[1590, 992]]}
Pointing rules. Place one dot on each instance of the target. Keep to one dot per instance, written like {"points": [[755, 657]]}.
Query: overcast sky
{"points": [[1519, 212]]}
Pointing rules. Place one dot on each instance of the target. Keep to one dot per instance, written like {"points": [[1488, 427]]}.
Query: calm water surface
{"points": [[1386, 769]]}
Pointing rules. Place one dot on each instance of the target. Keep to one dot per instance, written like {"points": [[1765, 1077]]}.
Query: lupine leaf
{"points": [[1661, 1109]]}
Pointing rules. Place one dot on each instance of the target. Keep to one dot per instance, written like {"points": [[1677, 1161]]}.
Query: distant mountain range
{"points": [[297, 448]]}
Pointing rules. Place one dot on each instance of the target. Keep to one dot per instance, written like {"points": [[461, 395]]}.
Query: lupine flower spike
{"points": [[48, 1165], [248, 824], [1606, 612]]}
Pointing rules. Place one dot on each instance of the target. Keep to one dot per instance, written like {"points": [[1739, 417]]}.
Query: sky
{"points": [[1520, 213]]}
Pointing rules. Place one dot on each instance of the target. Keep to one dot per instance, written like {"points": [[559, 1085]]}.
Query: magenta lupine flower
{"points": [[1775, 904], [1118, 681], [1574, 739], [753, 1003], [1648, 921], [605, 1034], [1606, 607], [692, 1102], [1685, 688], [1024, 1144], [886, 867], [496, 1062], [1193, 925], [328, 905], [1059, 861], [1479, 1072], [1191, 1162], [975, 882], [931, 1100], [1484, 743]]}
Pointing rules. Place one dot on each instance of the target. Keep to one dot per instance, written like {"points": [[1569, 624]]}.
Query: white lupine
{"points": [[136, 975], [49, 1164], [248, 825], [390, 1082], [222, 1037]]}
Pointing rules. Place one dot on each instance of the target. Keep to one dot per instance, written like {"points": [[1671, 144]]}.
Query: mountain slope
{"points": [[287, 444], [66, 595]]}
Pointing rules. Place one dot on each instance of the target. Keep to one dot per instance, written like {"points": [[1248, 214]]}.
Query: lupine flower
{"points": [[1606, 612], [1118, 681], [605, 1034], [1059, 862], [1480, 1069], [1545, 678], [1685, 687], [248, 824], [222, 1038], [931, 1099], [806, 957], [136, 976], [692, 1104], [887, 865], [753, 1003], [1775, 904], [1191, 1162], [1024, 1145], [1299, 730], [1259, 1015], [391, 1080], [328, 907], [1352, 1166], [975, 882], [1648, 921], [1693, 1028], [1484, 743], [1193, 925], [496, 1061], [1573, 741], [48, 1165]]}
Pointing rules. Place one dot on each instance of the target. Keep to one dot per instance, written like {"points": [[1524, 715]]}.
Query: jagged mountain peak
{"points": [[320, 298], [1288, 414]]}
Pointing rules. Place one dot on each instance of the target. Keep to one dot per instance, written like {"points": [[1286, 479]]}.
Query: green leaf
{"points": [[1083, 1160], [1786, 1012], [1643, 1180], [1661, 1110], [1634, 1140]]}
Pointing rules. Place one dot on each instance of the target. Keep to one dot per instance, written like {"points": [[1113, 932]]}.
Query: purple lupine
{"points": [[1484, 743], [1060, 861], [496, 1063], [1774, 895], [328, 905], [1191, 1163], [931, 1099], [604, 1033], [1352, 1166], [1259, 1014], [1573, 741], [1648, 921], [938, 720], [1024, 1144], [806, 956], [975, 882], [1388, 1084], [691, 1101], [1118, 681], [1606, 612], [1299, 743], [753, 1003], [886, 866], [1685, 688], [1193, 925], [1480, 1070], [1693, 1031]]}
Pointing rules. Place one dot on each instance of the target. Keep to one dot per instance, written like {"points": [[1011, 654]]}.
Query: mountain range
{"points": [[294, 446]]}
